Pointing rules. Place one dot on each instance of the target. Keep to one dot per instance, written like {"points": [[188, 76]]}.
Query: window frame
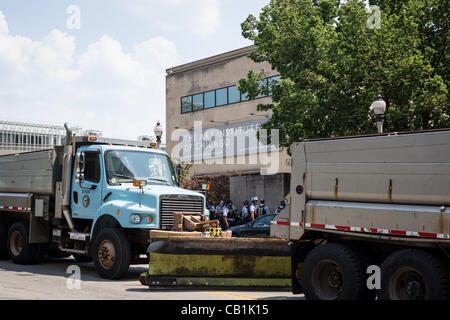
{"points": [[226, 97], [227, 90], [99, 169], [214, 103], [240, 95], [203, 102], [181, 100]]}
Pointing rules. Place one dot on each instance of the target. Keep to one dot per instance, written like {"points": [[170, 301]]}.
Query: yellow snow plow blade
{"points": [[219, 266], [188, 259]]}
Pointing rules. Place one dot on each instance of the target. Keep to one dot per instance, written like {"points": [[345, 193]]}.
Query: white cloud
{"points": [[200, 17], [104, 88], [3, 24]]}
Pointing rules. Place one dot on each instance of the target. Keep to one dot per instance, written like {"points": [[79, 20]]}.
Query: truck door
{"points": [[87, 185]]}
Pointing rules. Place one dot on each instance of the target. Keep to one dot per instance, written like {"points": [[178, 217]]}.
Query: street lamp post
{"points": [[158, 134], [379, 107]]}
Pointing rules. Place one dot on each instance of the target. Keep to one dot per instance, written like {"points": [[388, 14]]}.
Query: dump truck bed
{"points": [[397, 169], [372, 186], [31, 172]]}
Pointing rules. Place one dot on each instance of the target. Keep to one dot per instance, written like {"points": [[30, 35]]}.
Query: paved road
{"points": [[49, 281]]}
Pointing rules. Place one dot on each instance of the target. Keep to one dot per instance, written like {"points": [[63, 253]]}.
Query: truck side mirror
{"points": [[80, 170], [82, 162], [80, 177]]}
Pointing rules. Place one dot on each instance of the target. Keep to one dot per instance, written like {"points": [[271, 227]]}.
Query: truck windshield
{"points": [[125, 166]]}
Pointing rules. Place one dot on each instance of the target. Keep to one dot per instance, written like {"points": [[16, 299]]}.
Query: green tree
{"points": [[333, 65], [185, 169]]}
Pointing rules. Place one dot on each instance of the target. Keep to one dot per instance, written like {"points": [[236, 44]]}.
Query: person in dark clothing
{"points": [[211, 208], [222, 214], [245, 213], [262, 209], [281, 207], [232, 214]]}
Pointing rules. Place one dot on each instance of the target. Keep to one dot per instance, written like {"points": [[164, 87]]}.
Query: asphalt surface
{"points": [[52, 280]]}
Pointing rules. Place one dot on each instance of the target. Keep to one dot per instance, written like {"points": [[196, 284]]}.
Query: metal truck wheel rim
{"points": [[327, 280], [407, 284], [16, 241], [106, 254]]}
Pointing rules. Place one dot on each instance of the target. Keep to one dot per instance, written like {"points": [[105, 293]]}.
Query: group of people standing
{"points": [[229, 216]]}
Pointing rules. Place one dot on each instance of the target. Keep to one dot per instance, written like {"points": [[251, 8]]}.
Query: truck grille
{"points": [[169, 206]]}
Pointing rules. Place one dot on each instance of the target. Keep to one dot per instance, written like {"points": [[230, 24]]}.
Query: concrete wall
{"points": [[208, 74], [272, 189]]}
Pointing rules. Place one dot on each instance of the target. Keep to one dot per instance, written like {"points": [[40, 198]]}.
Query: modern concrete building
{"points": [[211, 124], [24, 137]]}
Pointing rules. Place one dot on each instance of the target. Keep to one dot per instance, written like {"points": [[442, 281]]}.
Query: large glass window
{"points": [[197, 102], [210, 99], [186, 104], [233, 94], [221, 97]]}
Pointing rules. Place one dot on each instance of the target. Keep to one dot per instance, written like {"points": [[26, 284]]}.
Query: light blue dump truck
{"points": [[93, 198]]}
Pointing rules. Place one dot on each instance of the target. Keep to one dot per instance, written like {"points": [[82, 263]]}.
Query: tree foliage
{"points": [[333, 66], [184, 172]]}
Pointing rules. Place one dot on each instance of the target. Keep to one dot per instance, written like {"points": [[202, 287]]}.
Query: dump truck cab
{"points": [[95, 198], [127, 184]]}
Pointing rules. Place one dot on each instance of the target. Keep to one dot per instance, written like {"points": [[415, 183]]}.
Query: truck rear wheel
{"points": [[333, 272], [112, 254], [19, 249], [3, 241], [41, 252], [413, 275]]}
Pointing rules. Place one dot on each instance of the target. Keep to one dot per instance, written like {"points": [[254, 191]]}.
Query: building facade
{"points": [[25, 137], [211, 124]]}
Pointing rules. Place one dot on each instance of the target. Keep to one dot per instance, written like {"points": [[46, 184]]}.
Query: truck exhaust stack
{"points": [[66, 177]]}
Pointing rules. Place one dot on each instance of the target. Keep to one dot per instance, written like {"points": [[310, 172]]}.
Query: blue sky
{"points": [[109, 74]]}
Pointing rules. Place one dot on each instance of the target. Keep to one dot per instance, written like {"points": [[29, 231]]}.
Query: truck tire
{"points": [[41, 253], [3, 241], [333, 272], [413, 274], [111, 254], [19, 249]]}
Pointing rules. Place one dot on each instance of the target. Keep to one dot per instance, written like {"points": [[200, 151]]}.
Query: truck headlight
{"points": [[136, 219]]}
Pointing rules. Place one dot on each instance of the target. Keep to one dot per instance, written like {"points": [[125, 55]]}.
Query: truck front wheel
{"points": [[333, 272], [19, 249], [112, 254], [413, 274]]}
